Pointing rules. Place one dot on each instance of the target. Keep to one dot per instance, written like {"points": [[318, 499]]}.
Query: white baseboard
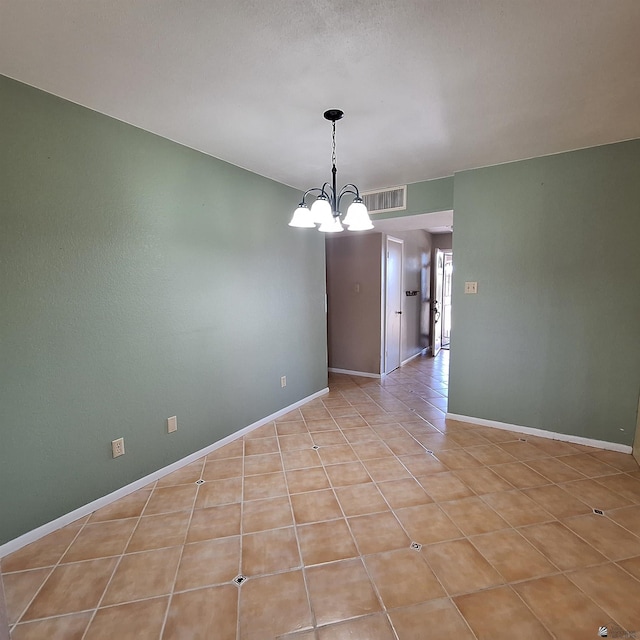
{"points": [[85, 510], [542, 433], [362, 374], [414, 356]]}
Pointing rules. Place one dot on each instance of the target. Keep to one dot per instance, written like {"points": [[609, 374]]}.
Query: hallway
{"points": [[364, 514]]}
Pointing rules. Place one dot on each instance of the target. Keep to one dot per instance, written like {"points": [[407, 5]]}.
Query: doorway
{"points": [[393, 304], [441, 301]]}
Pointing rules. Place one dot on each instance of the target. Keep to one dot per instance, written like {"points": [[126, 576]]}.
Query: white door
{"points": [[393, 306], [436, 304]]}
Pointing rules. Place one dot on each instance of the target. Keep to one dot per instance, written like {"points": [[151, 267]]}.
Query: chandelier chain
{"points": [[333, 145]]}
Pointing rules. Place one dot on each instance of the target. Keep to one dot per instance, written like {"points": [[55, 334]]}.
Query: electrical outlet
{"points": [[283, 381], [471, 287], [172, 424], [117, 447]]}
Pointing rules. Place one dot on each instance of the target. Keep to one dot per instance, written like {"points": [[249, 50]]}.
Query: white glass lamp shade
{"points": [[331, 226], [302, 218], [321, 211], [357, 218]]}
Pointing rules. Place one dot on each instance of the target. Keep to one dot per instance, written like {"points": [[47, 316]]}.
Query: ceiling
{"points": [[429, 87]]}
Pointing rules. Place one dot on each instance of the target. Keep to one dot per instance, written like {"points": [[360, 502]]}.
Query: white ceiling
{"points": [[429, 87]]}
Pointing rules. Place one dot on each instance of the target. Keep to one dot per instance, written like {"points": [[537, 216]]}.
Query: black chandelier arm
{"points": [[308, 191]]}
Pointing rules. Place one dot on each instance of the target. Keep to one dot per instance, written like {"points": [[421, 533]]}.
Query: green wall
{"points": [[139, 280], [552, 339]]}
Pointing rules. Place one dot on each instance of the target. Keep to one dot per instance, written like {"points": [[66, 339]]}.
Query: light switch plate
{"points": [[471, 287]]}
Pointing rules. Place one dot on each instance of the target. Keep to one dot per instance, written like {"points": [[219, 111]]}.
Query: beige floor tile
{"points": [[499, 614], [614, 590], [389, 468], [361, 434], [350, 422], [457, 459], [214, 522], [553, 447], [468, 437], [482, 480], [554, 470], [271, 513], [130, 506], [445, 486], [378, 532], [262, 446], [403, 578], [632, 566], [621, 461], [208, 563], [517, 508], [101, 540], [588, 465], [186, 475], [315, 506], [403, 493], [205, 613], [270, 551], [628, 517], [72, 588], [341, 590], [520, 475], [405, 446], [217, 492], [561, 546], [336, 454], [235, 449], [265, 463], [624, 485], [422, 464], [168, 499], [328, 438], [300, 459], [295, 442], [557, 501], [472, 516], [567, 612], [327, 424], [490, 454], [427, 524], [303, 480], [20, 588], [70, 627], [371, 450], [523, 450], [289, 428], [460, 567], [326, 542], [155, 532], [268, 485], [373, 627], [513, 557], [348, 473], [440, 615], [292, 416], [605, 535], [265, 431], [273, 606], [131, 621], [224, 468], [595, 495], [143, 575], [361, 499]]}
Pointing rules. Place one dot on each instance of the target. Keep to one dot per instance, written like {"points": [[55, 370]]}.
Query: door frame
{"points": [[386, 298]]}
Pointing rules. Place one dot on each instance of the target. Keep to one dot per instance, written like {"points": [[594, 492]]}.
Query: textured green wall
{"points": [[552, 339], [139, 280]]}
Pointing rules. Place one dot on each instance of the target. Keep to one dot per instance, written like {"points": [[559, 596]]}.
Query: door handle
{"points": [[399, 313]]}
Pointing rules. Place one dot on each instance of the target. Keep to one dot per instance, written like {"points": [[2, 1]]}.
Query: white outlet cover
{"points": [[283, 381], [172, 424], [117, 447], [471, 287]]}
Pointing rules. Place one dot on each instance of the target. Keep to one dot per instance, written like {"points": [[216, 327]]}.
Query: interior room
{"points": [[218, 425]]}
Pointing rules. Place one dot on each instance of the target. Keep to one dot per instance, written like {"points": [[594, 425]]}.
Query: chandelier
{"points": [[325, 210]]}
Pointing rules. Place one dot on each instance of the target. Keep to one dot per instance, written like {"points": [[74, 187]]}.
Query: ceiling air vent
{"points": [[391, 199]]}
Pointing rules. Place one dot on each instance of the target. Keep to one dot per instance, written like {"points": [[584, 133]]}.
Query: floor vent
{"points": [[391, 199]]}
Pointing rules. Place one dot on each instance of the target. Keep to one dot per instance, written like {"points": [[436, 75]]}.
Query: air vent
{"points": [[392, 199]]}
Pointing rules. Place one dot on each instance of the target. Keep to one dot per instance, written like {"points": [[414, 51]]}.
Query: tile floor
{"points": [[364, 515]]}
